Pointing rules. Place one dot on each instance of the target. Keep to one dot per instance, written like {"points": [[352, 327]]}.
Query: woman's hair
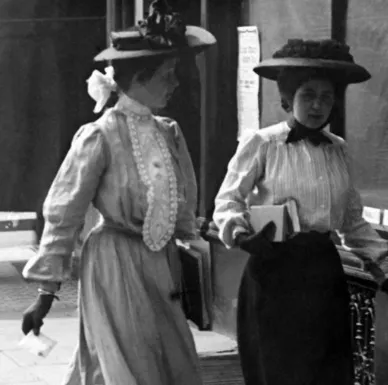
{"points": [[126, 69], [144, 68], [290, 79]]}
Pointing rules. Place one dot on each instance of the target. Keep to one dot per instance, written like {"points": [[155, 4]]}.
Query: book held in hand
{"points": [[285, 217], [196, 282]]}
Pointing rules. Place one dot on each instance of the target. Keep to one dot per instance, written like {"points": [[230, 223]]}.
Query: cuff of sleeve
{"points": [[47, 268], [238, 230], [51, 287], [229, 228]]}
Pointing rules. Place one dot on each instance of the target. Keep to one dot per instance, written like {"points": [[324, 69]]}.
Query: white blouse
{"points": [[316, 177]]}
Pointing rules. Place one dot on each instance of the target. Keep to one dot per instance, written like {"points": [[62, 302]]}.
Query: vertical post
{"points": [[139, 10], [117, 12], [339, 11], [201, 61], [120, 15], [203, 141], [207, 64], [127, 13], [110, 18]]}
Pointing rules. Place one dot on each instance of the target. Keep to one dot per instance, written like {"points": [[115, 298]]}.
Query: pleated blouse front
{"points": [[266, 170]]}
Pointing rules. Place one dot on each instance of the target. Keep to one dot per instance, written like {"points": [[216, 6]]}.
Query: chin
{"points": [[315, 125]]}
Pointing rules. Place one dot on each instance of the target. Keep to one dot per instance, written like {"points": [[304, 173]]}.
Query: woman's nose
{"points": [[317, 103]]}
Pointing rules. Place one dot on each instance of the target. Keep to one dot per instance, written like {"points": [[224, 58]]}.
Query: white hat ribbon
{"points": [[100, 87]]}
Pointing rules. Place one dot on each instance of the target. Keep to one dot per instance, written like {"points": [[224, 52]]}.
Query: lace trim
{"points": [[151, 231]]}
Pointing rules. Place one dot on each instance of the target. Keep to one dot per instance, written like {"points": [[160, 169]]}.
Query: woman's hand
{"points": [[34, 315], [258, 242]]}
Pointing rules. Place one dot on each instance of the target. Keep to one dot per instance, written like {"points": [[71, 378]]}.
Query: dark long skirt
{"points": [[293, 319]]}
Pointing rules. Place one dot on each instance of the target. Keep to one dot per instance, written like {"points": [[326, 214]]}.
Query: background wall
{"points": [[46, 51]]}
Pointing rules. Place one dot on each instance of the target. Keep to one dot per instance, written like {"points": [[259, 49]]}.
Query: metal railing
{"points": [[363, 332]]}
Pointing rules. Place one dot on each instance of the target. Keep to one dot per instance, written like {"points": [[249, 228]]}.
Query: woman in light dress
{"points": [[135, 168]]}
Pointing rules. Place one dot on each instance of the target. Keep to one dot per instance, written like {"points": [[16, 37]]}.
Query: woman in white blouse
{"points": [[136, 170], [293, 310]]}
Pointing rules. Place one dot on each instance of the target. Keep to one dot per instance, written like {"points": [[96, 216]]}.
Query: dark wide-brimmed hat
{"points": [[163, 32], [329, 56]]}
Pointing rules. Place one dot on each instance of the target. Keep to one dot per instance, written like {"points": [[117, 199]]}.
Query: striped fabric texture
{"points": [[267, 171]]}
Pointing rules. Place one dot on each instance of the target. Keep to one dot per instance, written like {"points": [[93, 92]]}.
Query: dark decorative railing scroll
{"points": [[362, 289], [362, 323]]}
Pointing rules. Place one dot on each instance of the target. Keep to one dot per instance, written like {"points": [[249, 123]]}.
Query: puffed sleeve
{"points": [[64, 209], [244, 169], [359, 237], [186, 222]]}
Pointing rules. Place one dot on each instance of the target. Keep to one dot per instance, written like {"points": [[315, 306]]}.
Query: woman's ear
{"points": [[286, 104], [135, 83]]}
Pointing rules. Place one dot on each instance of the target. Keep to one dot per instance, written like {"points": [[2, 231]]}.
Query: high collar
{"points": [[133, 108], [294, 124], [299, 132]]}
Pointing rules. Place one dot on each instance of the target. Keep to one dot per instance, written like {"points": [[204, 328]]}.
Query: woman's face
{"points": [[156, 91], [313, 102]]}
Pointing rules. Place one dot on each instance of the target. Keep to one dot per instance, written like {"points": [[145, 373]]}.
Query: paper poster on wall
{"points": [[247, 80]]}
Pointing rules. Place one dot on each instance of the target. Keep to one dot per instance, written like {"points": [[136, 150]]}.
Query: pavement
{"points": [[20, 367]]}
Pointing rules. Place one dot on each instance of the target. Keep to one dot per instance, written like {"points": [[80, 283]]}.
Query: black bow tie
{"points": [[300, 132]]}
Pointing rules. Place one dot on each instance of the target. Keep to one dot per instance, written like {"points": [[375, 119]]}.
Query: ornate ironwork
{"points": [[362, 323]]}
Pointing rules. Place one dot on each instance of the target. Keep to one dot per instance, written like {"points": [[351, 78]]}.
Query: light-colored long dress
{"points": [[136, 170]]}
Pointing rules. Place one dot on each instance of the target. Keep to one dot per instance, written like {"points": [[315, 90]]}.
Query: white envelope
{"points": [[40, 345]]}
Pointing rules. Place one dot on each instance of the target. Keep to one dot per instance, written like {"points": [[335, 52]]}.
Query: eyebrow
{"points": [[326, 92]]}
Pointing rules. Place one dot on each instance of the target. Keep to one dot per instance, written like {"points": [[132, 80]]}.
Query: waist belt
{"points": [[120, 229]]}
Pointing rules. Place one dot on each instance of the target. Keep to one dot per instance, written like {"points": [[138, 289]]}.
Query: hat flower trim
{"points": [[328, 49], [163, 28]]}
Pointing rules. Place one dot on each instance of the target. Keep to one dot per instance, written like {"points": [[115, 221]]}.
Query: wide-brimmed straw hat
{"points": [[328, 55], [163, 32]]}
